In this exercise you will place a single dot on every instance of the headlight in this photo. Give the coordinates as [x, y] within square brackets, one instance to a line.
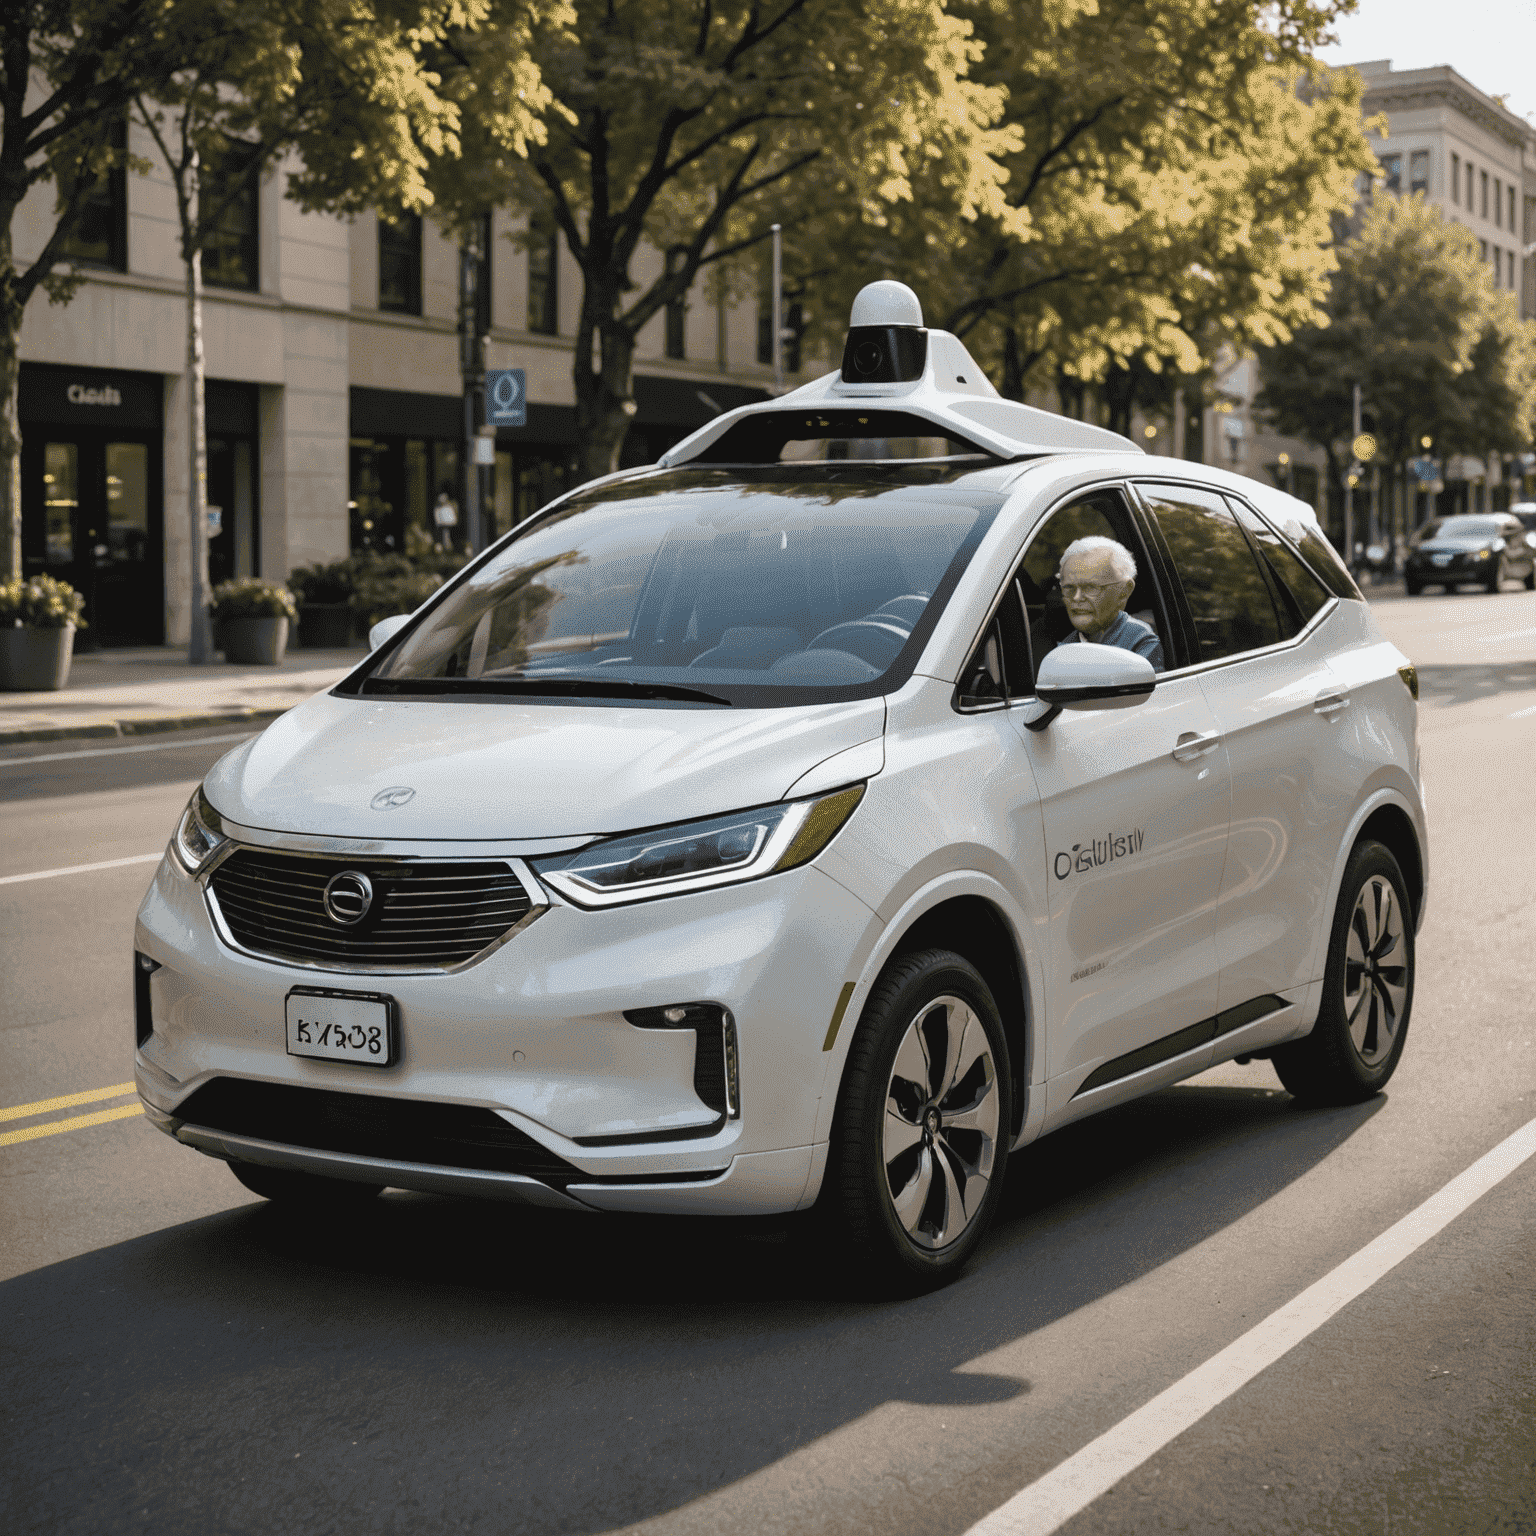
[696, 855]
[199, 834]
[1484, 554]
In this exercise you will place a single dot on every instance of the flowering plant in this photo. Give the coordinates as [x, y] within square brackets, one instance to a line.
[40, 602]
[249, 597]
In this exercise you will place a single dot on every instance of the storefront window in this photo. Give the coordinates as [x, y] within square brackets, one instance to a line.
[61, 495]
[127, 504]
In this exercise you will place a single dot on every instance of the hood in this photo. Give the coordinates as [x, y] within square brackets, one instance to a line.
[1460, 545]
[512, 769]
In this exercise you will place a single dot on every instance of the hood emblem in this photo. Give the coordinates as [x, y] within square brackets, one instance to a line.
[392, 799]
[348, 897]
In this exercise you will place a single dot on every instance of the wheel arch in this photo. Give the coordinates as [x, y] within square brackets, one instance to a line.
[1390, 825]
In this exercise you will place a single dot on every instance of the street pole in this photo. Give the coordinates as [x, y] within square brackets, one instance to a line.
[472, 365]
[1178, 422]
[1349, 490]
[778, 310]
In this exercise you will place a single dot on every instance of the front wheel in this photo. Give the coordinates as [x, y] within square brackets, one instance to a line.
[286, 1187]
[1414, 588]
[1367, 989]
[1495, 578]
[923, 1124]
[1530, 579]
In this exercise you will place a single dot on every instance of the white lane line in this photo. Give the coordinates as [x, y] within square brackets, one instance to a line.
[149, 746]
[1509, 634]
[82, 869]
[1520, 714]
[1071, 1486]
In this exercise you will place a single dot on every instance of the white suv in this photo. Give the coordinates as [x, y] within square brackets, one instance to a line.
[742, 834]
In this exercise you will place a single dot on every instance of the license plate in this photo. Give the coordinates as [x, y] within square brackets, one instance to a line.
[342, 1026]
[1442, 559]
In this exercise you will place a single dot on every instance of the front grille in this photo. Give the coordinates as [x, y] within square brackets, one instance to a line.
[401, 1130]
[423, 915]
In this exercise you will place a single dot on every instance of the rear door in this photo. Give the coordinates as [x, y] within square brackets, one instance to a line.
[1260, 622]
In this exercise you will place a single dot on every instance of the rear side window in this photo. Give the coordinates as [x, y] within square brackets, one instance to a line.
[1298, 593]
[1229, 599]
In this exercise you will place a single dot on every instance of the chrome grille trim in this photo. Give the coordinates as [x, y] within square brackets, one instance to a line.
[402, 942]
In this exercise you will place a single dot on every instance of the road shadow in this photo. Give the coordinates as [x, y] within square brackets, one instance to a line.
[441, 1364]
[1466, 683]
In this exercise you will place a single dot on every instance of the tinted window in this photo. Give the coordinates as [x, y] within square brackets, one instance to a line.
[1099, 515]
[1461, 527]
[785, 586]
[1297, 592]
[1228, 596]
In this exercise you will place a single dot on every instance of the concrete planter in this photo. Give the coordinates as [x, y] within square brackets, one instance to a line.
[35, 660]
[255, 642]
[325, 626]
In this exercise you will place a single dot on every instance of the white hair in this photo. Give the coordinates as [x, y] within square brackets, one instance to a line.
[1122, 561]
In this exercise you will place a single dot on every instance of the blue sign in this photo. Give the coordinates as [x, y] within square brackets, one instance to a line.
[1424, 470]
[506, 397]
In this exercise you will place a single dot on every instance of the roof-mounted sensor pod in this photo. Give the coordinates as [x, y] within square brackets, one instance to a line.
[890, 357]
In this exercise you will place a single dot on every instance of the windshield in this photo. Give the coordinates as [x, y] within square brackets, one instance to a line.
[775, 585]
[1463, 527]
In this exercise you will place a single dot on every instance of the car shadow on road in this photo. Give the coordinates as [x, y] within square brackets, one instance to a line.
[437, 1363]
[1466, 683]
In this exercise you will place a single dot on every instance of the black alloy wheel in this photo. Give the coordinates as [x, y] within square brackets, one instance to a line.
[923, 1123]
[1362, 1022]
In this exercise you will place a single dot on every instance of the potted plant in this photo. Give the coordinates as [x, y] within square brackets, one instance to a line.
[325, 615]
[38, 620]
[251, 617]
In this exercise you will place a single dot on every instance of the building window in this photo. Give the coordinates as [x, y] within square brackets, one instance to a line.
[677, 310]
[1498, 203]
[543, 277]
[1484, 245]
[1498, 268]
[1392, 172]
[1485, 194]
[1511, 209]
[400, 263]
[1418, 171]
[101, 236]
[227, 188]
[1456, 178]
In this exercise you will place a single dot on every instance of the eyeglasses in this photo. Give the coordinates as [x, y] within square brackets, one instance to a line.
[1087, 588]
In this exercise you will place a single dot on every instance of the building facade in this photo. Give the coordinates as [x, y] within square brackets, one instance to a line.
[334, 398]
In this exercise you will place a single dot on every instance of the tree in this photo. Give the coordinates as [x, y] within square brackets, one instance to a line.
[345, 89]
[1174, 167]
[69, 70]
[690, 128]
[1414, 319]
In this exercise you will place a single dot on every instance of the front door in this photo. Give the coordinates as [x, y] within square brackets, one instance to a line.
[91, 517]
[1135, 804]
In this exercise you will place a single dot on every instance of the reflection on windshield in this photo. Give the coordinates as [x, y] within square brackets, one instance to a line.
[1465, 526]
[757, 589]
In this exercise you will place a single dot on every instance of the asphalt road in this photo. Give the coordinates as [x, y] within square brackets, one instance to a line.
[177, 1357]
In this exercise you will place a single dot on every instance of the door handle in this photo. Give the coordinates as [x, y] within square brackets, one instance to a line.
[1330, 703]
[1193, 744]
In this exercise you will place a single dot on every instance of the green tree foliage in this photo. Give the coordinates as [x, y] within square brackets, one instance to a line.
[1414, 319]
[689, 127]
[1173, 169]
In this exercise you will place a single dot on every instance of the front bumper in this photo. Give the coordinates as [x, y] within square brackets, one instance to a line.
[536, 1086]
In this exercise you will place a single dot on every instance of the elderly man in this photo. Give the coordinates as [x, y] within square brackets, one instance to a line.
[1097, 576]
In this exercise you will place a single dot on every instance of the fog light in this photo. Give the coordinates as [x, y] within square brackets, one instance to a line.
[716, 1069]
[143, 1021]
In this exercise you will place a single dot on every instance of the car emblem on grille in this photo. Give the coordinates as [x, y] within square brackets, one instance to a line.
[348, 897]
[392, 799]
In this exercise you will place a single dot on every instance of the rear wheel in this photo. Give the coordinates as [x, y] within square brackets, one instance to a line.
[1495, 576]
[289, 1188]
[923, 1124]
[1367, 989]
[1414, 588]
[1530, 579]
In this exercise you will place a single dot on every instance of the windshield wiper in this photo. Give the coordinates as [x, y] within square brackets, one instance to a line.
[550, 687]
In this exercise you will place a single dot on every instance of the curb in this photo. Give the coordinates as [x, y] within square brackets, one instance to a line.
[144, 725]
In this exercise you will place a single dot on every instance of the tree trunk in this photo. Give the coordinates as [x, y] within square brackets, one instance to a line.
[200, 636]
[605, 396]
[10, 443]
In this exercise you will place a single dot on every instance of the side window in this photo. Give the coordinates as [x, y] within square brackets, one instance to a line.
[1228, 596]
[1298, 593]
[999, 668]
[1102, 514]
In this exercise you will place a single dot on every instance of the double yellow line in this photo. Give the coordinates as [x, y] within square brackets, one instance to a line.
[69, 1122]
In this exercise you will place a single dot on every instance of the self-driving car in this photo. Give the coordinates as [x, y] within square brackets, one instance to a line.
[889, 776]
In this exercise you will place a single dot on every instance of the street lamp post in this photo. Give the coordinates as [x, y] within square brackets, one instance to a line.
[473, 335]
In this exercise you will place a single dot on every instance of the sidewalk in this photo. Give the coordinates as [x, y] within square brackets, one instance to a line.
[138, 690]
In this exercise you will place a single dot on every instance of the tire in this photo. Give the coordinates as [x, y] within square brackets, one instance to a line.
[1530, 579]
[1362, 1024]
[1495, 578]
[1414, 588]
[923, 1123]
[286, 1187]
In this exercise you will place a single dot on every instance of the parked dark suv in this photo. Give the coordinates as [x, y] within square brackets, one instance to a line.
[1472, 549]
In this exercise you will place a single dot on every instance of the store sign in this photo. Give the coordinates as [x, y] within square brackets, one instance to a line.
[506, 397]
[83, 394]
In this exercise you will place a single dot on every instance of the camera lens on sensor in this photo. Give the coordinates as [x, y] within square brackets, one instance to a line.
[868, 357]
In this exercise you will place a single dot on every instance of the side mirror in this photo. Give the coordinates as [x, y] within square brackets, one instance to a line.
[385, 628]
[1086, 676]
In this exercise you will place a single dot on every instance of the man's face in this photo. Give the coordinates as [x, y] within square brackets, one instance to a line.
[1091, 591]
